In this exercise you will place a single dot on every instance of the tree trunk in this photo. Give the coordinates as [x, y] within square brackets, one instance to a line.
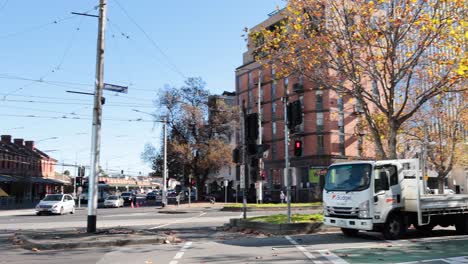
[441, 182]
[392, 139]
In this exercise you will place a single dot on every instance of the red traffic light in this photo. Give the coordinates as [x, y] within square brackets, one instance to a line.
[298, 144]
[297, 148]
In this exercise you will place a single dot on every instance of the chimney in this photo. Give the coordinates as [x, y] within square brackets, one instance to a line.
[29, 144]
[18, 141]
[6, 139]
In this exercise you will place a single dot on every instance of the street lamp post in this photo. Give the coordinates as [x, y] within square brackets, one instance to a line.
[165, 171]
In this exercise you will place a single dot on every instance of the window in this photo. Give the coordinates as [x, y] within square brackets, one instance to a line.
[273, 150]
[342, 144]
[250, 81]
[319, 122]
[273, 128]
[340, 103]
[273, 109]
[320, 144]
[381, 180]
[319, 100]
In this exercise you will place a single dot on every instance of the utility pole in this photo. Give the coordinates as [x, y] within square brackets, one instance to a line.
[164, 191]
[260, 135]
[97, 118]
[286, 152]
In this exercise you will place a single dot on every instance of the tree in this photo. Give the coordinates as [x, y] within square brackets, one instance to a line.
[443, 133]
[392, 56]
[196, 133]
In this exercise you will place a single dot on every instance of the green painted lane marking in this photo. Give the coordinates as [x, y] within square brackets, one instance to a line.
[417, 251]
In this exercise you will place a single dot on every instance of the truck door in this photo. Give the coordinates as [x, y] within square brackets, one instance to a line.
[383, 193]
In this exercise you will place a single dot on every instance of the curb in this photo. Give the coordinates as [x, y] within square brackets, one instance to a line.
[29, 243]
[277, 229]
[252, 209]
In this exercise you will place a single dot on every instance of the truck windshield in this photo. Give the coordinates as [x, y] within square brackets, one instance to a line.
[348, 178]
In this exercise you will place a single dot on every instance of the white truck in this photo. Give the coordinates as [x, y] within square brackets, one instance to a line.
[387, 196]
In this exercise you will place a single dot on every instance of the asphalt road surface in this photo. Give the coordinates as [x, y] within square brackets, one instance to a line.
[201, 242]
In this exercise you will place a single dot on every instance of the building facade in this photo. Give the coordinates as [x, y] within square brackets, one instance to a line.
[329, 131]
[26, 173]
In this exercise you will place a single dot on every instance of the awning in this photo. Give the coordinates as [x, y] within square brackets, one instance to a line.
[48, 181]
[7, 178]
[3, 193]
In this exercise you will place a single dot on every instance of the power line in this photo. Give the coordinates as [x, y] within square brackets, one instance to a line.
[37, 27]
[76, 103]
[77, 118]
[175, 68]
[65, 84]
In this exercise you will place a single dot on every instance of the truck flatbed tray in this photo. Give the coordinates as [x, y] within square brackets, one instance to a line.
[444, 201]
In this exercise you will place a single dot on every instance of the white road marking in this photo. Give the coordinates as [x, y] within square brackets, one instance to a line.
[332, 257]
[178, 221]
[301, 248]
[181, 253]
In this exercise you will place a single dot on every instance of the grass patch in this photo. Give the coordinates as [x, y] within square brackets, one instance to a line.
[282, 218]
[266, 205]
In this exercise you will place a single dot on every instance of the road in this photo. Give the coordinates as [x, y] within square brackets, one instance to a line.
[203, 243]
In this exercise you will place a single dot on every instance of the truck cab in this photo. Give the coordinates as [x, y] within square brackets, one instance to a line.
[387, 196]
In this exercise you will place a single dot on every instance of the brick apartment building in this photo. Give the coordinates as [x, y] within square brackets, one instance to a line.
[26, 173]
[329, 131]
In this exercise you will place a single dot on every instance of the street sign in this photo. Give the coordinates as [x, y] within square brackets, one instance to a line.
[226, 183]
[115, 88]
[242, 176]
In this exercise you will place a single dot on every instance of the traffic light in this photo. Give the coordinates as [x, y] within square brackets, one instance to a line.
[236, 155]
[298, 148]
[294, 114]
[254, 169]
[251, 127]
[78, 181]
[252, 149]
[81, 171]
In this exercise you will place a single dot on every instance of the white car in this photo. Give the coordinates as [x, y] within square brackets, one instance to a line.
[114, 201]
[56, 204]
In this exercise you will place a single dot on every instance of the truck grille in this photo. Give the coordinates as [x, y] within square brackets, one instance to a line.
[343, 212]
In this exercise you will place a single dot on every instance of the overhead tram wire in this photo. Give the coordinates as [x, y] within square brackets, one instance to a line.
[77, 118]
[162, 66]
[64, 84]
[36, 28]
[174, 67]
[77, 103]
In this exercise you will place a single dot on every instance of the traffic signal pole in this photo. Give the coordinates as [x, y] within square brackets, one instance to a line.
[286, 152]
[243, 159]
[260, 137]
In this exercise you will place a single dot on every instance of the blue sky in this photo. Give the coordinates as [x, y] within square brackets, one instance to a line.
[40, 41]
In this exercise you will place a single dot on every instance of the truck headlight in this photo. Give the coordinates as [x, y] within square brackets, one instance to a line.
[325, 210]
[364, 210]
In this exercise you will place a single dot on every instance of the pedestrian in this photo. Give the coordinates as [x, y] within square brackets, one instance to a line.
[282, 196]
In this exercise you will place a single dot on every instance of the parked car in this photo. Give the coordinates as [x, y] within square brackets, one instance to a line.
[128, 197]
[56, 204]
[114, 201]
[152, 196]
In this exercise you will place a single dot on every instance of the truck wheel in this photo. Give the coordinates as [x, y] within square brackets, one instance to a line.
[462, 225]
[349, 232]
[394, 227]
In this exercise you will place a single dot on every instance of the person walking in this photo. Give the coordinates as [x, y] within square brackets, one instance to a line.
[282, 196]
